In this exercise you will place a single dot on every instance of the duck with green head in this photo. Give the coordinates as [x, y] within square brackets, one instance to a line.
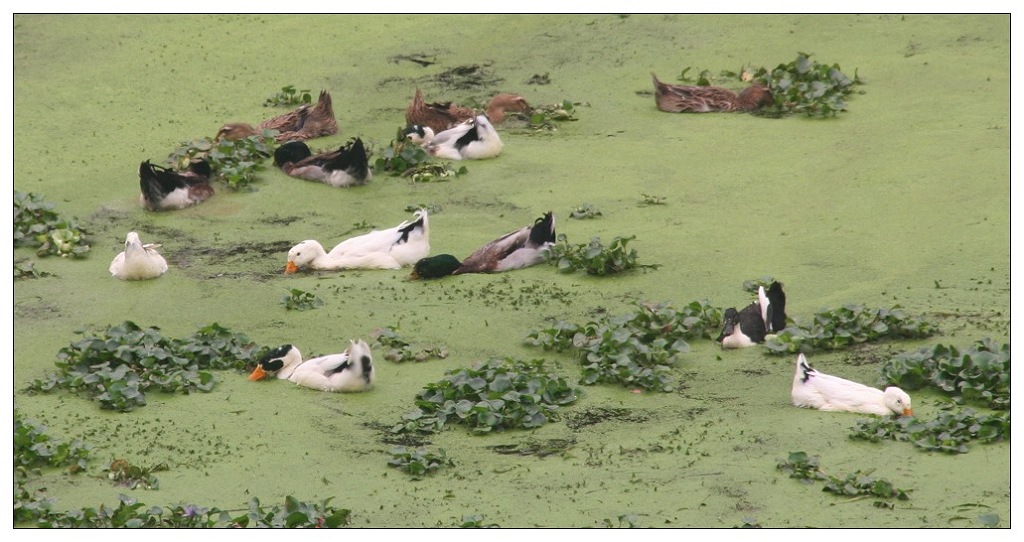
[515, 250]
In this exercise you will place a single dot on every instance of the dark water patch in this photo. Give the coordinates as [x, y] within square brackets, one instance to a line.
[594, 416]
[386, 436]
[535, 448]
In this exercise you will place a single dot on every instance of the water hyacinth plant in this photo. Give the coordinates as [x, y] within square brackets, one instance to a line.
[494, 395]
[806, 469]
[288, 97]
[949, 432]
[979, 373]
[37, 225]
[595, 258]
[635, 350]
[234, 162]
[118, 367]
[845, 326]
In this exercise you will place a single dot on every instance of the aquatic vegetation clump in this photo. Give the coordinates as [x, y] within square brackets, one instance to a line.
[547, 117]
[594, 258]
[807, 87]
[495, 395]
[949, 432]
[27, 270]
[289, 96]
[418, 462]
[845, 326]
[119, 366]
[34, 449]
[130, 513]
[585, 210]
[404, 158]
[979, 373]
[396, 349]
[806, 469]
[300, 300]
[235, 162]
[37, 225]
[123, 473]
[636, 349]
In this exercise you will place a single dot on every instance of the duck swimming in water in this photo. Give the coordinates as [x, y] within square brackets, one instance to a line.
[301, 124]
[514, 250]
[138, 261]
[757, 320]
[443, 116]
[812, 389]
[396, 247]
[701, 99]
[164, 189]
[474, 140]
[346, 166]
[349, 371]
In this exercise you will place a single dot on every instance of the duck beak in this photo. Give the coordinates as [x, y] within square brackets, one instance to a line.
[290, 268]
[414, 275]
[908, 412]
[257, 374]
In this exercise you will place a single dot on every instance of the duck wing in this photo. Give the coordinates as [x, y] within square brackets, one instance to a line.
[514, 250]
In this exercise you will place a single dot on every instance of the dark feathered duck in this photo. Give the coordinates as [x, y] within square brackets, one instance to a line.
[346, 166]
[514, 250]
[757, 320]
[164, 189]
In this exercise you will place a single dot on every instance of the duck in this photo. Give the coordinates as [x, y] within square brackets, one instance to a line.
[393, 248]
[514, 250]
[164, 189]
[347, 166]
[813, 389]
[756, 321]
[443, 116]
[138, 261]
[700, 99]
[306, 122]
[474, 140]
[349, 371]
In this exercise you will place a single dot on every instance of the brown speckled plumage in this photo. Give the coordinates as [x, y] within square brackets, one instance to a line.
[440, 116]
[303, 123]
[697, 99]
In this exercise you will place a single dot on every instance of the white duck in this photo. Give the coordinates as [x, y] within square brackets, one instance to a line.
[403, 245]
[138, 261]
[473, 140]
[812, 389]
[349, 371]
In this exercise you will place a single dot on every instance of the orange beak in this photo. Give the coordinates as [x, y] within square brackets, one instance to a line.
[257, 374]
[290, 268]
[907, 412]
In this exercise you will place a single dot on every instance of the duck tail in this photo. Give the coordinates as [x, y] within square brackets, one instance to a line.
[775, 317]
[804, 371]
[153, 184]
[543, 231]
[420, 223]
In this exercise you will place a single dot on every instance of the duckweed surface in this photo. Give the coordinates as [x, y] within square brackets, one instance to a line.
[903, 199]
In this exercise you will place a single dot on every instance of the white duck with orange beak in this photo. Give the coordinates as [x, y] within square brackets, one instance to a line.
[349, 371]
[812, 389]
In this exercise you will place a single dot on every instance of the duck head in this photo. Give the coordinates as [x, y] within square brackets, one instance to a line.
[730, 319]
[235, 130]
[755, 97]
[301, 255]
[418, 134]
[897, 401]
[503, 102]
[280, 361]
[362, 360]
[435, 267]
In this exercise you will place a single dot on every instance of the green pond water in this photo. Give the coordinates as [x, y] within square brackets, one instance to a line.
[904, 199]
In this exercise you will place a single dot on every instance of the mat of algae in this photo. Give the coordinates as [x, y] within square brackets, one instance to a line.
[904, 199]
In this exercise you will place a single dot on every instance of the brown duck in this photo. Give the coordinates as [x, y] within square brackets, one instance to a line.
[696, 99]
[440, 116]
[299, 125]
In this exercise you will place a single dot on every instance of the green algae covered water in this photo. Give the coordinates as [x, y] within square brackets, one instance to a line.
[902, 200]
